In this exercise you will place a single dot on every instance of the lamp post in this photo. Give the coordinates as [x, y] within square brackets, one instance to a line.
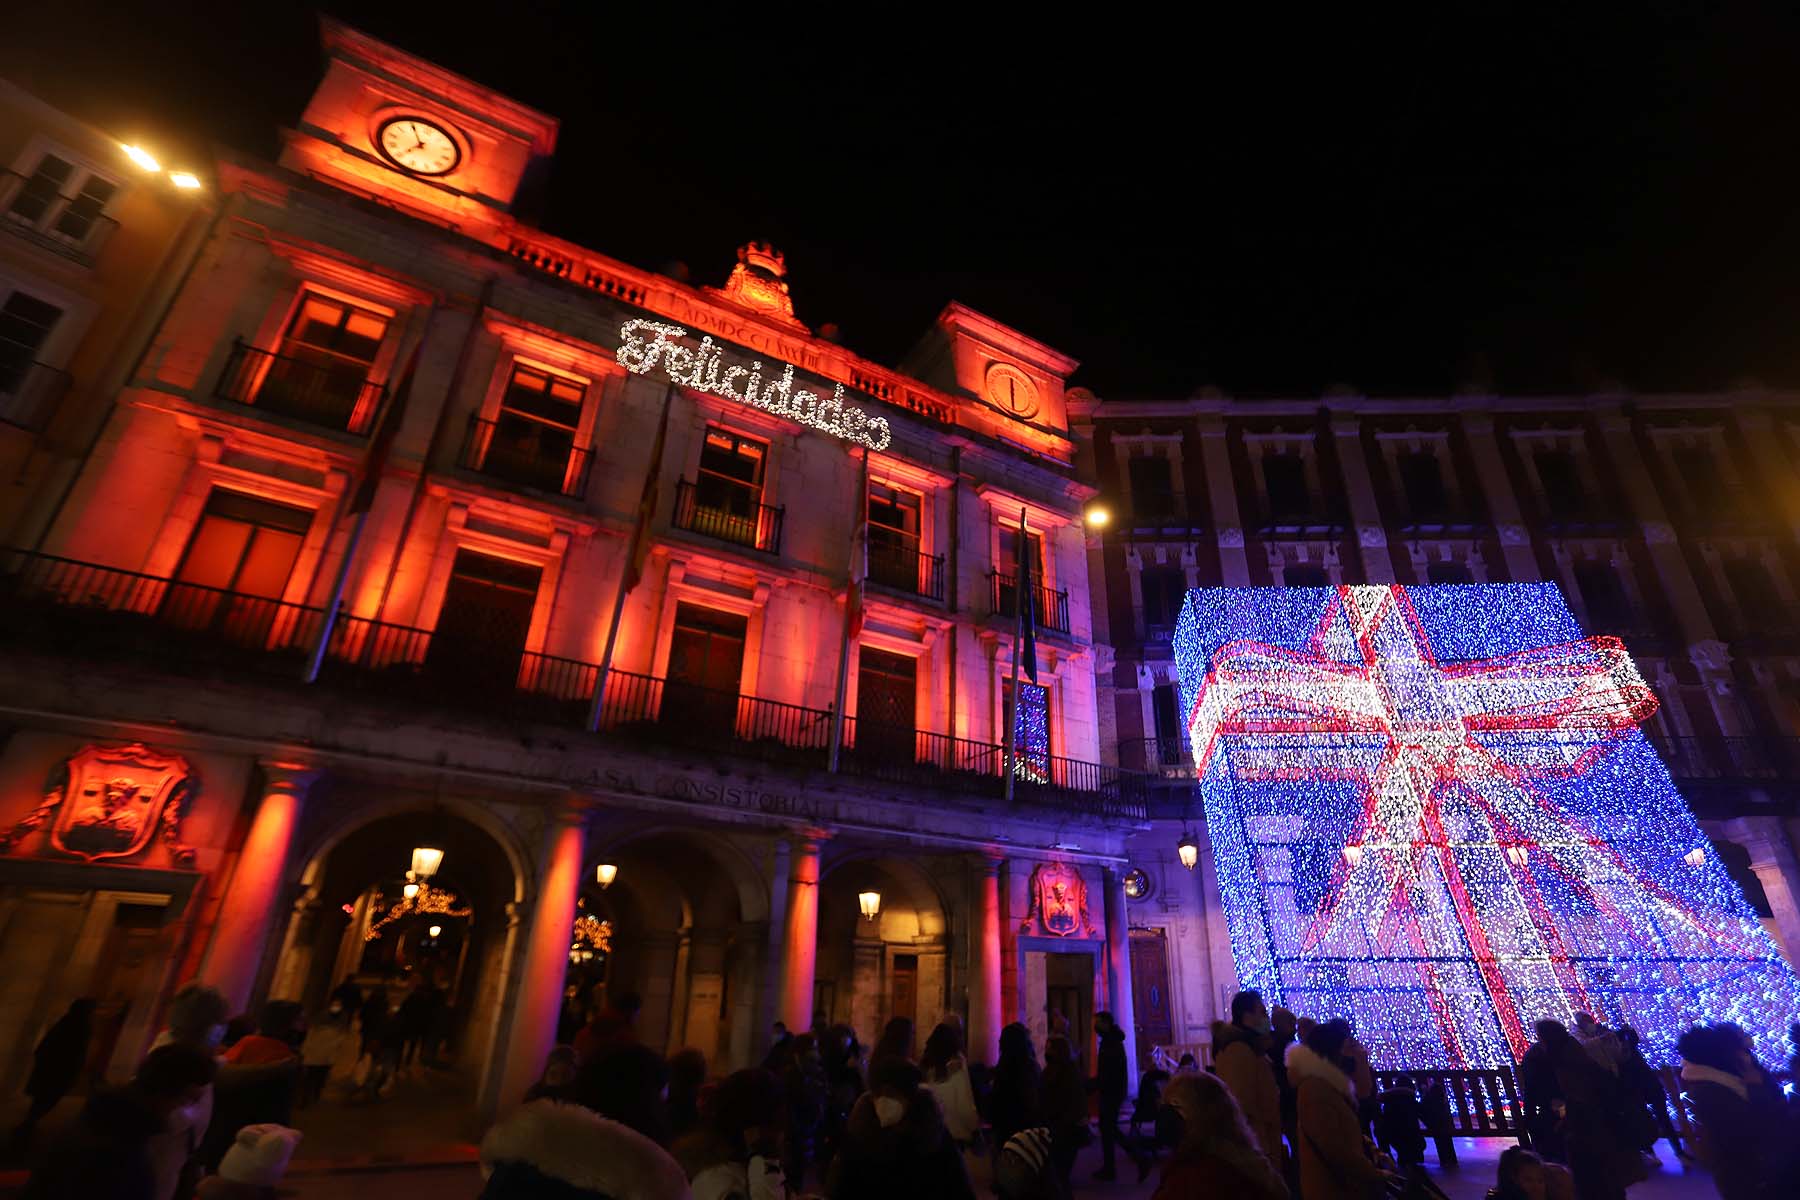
[1187, 849]
[426, 860]
[870, 903]
[604, 874]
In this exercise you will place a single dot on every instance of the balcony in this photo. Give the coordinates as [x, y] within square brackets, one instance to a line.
[1050, 609]
[80, 610]
[1168, 756]
[29, 401]
[904, 568]
[58, 230]
[756, 527]
[536, 464]
[338, 396]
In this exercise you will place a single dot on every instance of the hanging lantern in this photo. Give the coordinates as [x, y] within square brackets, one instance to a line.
[426, 860]
[604, 874]
[411, 892]
[1517, 855]
[435, 930]
[1188, 850]
[1695, 858]
[870, 902]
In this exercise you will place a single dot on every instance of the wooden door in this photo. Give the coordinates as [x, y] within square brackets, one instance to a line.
[903, 996]
[484, 622]
[1150, 990]
[706, 669]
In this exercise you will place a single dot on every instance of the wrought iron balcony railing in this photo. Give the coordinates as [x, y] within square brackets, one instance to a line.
[756, 526]
[1050, 608]
[332, 396]
[75, 236]
[63, 606]
[497, 451]
[29, 401]
[1168, 755]
[906, 569]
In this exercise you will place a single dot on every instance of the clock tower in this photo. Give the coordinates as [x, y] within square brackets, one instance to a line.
[406, 132]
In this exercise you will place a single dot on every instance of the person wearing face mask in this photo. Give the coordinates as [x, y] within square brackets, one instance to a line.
[1241, 1061]
[1216, 1153]
[896, 1146]
[1335, 1159]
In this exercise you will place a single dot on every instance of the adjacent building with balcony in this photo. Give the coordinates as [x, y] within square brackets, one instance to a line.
[91, 244]
[241, 686]
[1669, 521]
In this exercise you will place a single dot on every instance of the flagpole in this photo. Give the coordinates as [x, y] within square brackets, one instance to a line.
[639, 530]
[317, 662]
[851, 600]
[1012, 717]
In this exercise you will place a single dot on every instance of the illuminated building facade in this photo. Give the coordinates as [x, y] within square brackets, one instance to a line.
[241, 687]
[1666, 521]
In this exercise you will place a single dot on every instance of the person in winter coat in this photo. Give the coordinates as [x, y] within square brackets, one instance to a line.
[1600, 1154]
[1064, 1105]
[1216, 1154]
[1112, 1082]
[896, 1147]
[253, 1167]
[197, 1016]
[736, 1152]
[1335, 1162]
[947, 1078]
[327, 1040]
[1742, 1129]
[1522, 1175]
[1013, 1101]
[259, 1080]
[106, 1154]
[1023, 1169]
[687, 1075]
[808, 1096]
[1240, 1059]
[625, 1083]
[56, 1064]
[896, 1040]
[551, 1151]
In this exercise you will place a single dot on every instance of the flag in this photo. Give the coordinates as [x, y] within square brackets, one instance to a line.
[646, 512]
[1026, 601]
[859, 564]
[375, 460]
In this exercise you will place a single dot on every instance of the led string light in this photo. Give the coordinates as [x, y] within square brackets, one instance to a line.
[427, 901]
[698, 368]
[1031, 735]
[1433, 813]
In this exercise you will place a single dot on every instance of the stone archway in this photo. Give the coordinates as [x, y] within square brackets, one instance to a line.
[897, 964]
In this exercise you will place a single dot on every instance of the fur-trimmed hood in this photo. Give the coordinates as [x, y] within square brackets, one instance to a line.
[1304, 1064]
[1226, 1034]
[580, 1148]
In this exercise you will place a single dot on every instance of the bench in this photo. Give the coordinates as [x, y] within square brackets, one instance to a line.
[1473, 1104]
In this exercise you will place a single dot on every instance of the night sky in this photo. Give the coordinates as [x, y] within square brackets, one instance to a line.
[1543, 202]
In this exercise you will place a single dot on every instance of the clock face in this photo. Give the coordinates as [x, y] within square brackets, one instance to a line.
[419, 146]
[1012, 390]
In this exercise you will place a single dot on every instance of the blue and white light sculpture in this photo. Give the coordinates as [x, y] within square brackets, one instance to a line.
[1433, 813]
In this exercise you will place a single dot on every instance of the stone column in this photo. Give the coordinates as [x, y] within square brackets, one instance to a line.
[234, 956]
[1118, 968]
[1365, 513]
[1772, 858]
[985, 1015]
[1221, 495]
[769, 993]
[1502, 501]
[538, 1000]
[801, 944]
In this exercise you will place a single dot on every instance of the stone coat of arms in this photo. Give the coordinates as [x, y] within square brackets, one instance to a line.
[110, 802]
[1060, 896]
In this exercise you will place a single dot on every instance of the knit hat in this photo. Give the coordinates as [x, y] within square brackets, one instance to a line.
[1031, 1145]
[260, 1155]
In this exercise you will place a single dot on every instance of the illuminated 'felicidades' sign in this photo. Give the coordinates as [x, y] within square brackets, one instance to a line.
[699, 368]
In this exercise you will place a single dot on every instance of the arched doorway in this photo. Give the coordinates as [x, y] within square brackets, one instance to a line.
[687, 920]
[893, 964]
[432, 950]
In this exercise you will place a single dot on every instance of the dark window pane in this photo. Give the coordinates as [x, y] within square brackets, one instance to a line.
[1422, 476]
[731, 469]
[1448, 572]
[1152, 486]
[77, 220]
[1165, 706]
[1285, 476]
[25, 324]
[1706, 486]
[1165, 588]
[1305, 575]
[1564, 493]
[39, 194]
[1603, 594]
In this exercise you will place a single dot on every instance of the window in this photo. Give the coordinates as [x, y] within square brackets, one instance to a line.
[1603, 595]
[62, 200]
[1305, 575]
[1759, 604]
[1707, 489]
[25, 325]
[1165, 589]
[1152, 486]
[1165, 709]
[895, 519]
[237, 564]
[887, 687]
[324, 362]
[725, 500]
[1050, 609]
[1422, 478]
[1560, 477]
[1032, 748]
[706, 668]
[1284, 475]
[1448, 572]
[533, 436]
[485, 620]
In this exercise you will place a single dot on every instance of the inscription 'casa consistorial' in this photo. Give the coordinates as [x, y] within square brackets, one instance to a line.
[644, 344]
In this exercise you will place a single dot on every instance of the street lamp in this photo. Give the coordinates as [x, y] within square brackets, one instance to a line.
[435, 930]
[410, 892]
[1097, 516]
[870, 903]
[426, 860]
[604, 874]
[1695, 858]
[1187, 849]
[187, 181]
[141, 157]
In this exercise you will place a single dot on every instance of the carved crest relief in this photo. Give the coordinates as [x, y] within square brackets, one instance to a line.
[1059, 896]
[110, 801]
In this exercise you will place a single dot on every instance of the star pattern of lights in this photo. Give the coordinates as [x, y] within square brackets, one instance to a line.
[1434, 813]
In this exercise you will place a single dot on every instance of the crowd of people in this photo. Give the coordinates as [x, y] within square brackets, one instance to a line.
[209, 1112]
[1290, 1110]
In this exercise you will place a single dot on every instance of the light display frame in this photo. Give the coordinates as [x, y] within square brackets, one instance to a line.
[1433, 812]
